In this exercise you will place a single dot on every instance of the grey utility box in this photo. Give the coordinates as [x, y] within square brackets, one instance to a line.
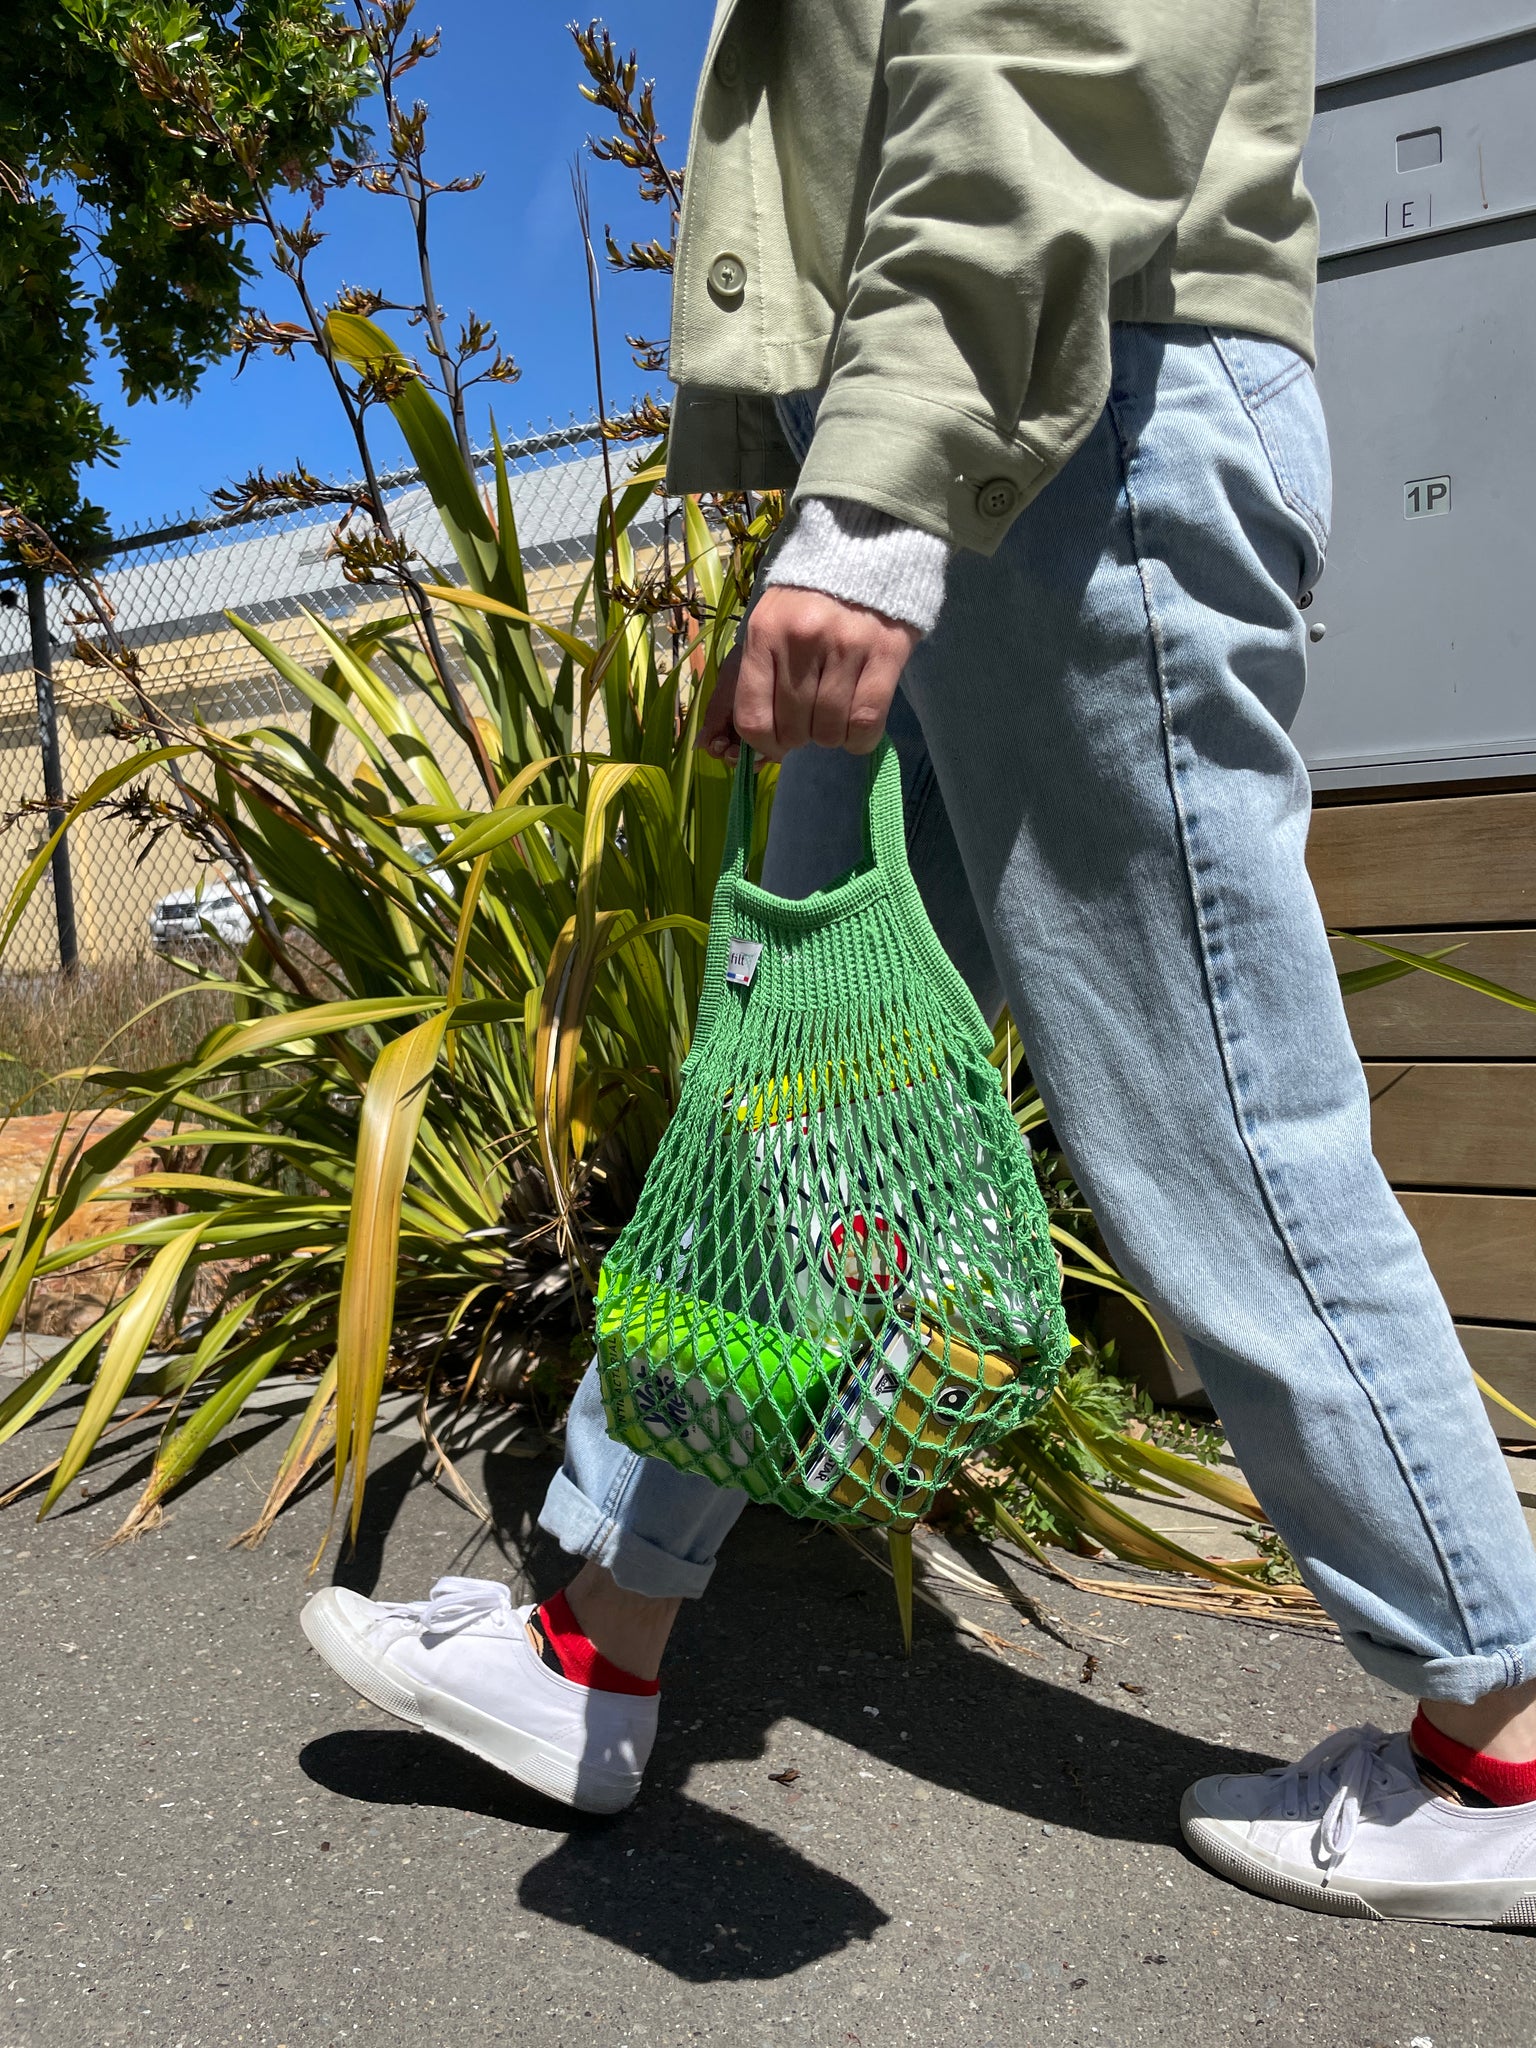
[1423, 164]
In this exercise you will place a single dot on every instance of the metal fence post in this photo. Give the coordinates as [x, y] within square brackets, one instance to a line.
[53, 773]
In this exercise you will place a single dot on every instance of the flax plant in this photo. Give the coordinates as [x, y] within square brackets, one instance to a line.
[456, 1033]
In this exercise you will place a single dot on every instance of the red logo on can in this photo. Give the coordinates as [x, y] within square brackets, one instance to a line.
[866, 1255]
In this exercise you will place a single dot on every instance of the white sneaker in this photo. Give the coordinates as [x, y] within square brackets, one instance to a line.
[1352, 1829]
[461, 1665]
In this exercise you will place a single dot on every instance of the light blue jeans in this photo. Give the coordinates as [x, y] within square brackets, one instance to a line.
[1107, 821]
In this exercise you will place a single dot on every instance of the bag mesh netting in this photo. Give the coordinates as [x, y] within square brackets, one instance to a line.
[839, 1277]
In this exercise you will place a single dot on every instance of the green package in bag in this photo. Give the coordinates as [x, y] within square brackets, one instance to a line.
[839, 1278]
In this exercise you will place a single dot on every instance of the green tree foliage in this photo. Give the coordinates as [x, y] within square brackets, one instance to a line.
[120, 223]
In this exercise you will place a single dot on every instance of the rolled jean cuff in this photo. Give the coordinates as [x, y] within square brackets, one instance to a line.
[1462, 1679]
[638, 1565]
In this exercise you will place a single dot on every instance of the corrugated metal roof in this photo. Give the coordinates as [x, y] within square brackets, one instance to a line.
[555, 507]
[175, 589]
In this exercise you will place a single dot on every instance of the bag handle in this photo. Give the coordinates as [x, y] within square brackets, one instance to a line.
[885, 833]
[885, 841]
[740, 816]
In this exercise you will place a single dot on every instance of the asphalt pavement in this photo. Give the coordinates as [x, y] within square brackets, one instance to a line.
[207, 1840]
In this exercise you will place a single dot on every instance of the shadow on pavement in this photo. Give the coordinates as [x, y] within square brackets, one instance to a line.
[359, 1565]
[124, 1463]
[703, 1894]
[706, 1895]
[795, 1629]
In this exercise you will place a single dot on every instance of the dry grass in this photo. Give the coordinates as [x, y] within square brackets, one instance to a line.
[50, 1023]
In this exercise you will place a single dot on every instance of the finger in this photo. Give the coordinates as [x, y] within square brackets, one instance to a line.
[870, 705]
[752, 712]
[835, 693]
[799, 653]
[717, 731]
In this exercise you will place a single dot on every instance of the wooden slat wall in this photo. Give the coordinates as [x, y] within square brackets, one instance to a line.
[1422, 1017]
[1483, 1251]
[1454, 1123]
[1506, 1358]
[1455, 860]
[1452, 1073]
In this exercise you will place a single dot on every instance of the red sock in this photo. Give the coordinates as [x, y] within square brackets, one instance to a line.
[1497, 1782]
[575, 1656]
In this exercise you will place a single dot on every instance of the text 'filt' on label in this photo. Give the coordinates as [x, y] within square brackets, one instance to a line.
[741, 962]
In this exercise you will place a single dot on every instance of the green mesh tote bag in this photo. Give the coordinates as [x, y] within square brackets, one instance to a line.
[839, 1278]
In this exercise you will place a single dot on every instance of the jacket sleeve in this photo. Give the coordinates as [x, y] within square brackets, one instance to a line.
[1034, 152]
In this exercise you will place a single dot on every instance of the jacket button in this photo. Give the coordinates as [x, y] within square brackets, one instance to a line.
[727, 276]
[997, 499]
[728, 66]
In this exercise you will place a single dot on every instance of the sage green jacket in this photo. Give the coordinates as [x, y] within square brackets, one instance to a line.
[936, 208]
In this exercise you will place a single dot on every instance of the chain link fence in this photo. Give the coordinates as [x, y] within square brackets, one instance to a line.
[171, 588]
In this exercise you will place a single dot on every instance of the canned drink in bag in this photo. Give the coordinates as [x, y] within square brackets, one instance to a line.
[785, 1175]
[899, 1410]
[976, 1297]
[827, 1260]
[868, 1254]
[868, 1390]
[690, 1244]
[884, 1491]
[848, 1270]
[883, 1476]
[698, 1376]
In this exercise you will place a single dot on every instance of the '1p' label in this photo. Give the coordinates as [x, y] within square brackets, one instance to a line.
[1426, 497]
[741, 962]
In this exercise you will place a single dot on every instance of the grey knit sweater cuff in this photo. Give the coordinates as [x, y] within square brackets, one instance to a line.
[863, 556]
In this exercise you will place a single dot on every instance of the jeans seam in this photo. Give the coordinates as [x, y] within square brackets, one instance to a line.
[1267, 1193]
[1253, 404]
[1259, 395]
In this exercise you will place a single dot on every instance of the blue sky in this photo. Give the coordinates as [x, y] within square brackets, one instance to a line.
[504, 100]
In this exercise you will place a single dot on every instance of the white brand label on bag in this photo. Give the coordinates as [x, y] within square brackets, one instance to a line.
[741, 964]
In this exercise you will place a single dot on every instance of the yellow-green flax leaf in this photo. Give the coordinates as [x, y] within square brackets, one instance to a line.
[309, 1443]
[566, 994]
[23, 1402]
[899, 1545]
[581, 652]
[494, 828]
[1502, 1401]
[1357, 980]
[296, 1028]
[703, 553]
[125, 1352]
[325, 702]
[393, 1105]
[1136, 1460]
[387, 711]
[1113, 1526]
[28, 1242]
[1432, 963]
[430, 439]
[675, 921]
[181, 1451]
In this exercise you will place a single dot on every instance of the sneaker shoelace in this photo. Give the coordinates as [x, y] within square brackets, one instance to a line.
[1335, 1781]
[453, 1604]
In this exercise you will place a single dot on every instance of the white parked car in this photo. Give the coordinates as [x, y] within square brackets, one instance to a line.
[218, 915]
[193, 920]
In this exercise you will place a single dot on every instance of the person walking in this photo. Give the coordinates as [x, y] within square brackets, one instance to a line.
[1015, 297]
